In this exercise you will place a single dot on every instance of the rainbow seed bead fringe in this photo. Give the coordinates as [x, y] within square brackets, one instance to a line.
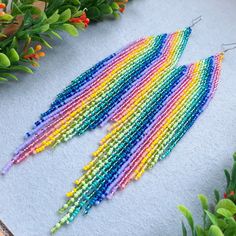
[89, 101]
[147, 127]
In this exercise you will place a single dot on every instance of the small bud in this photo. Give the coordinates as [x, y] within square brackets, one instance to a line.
[13, 55]
[4, 60]
[83, 16]
[2, 5]
[41, 54]
[5, 17]
[38, 47]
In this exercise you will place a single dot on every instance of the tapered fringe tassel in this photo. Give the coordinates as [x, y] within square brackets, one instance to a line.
[144, 133]
[90, 100]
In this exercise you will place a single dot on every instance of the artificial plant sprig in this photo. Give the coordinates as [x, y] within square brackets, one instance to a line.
[29, 24]
[97, 9]
[221, 220]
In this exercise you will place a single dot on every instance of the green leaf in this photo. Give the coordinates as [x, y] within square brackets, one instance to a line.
[215, 231]
[30, 50]
[44, 28]
[187, 215]
[184, 230]
[25, 7]
[76, 2]
[54, 5]
[35, 10]
[16, 10]
[79, 26]
[234, 156]
[93, 13]
[227, 175]
[231, 226]
[53, 18]
[9, 75]
[230, 232]
[233, 174]
[41, 19]
[226, 204]
[27, 19]
[40, 29]
[27, 1]
[4, 60]
[6, 17]
[231, 221]
[204, 201]
[70, 29]
[212, 217]
[116, 15]
[217, 196]
[99, 2]
[221, 223]
[78, 13]
[45, 43]
[3, 79]
[56, 34]
[199, 231]
[41, 40]
[115, 6]
[22, 68]
[105, 9]
[13, 55]
[65, 15]
[14, 43]
[224, 212]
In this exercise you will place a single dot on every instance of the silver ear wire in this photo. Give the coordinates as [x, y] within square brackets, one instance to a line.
[224, 45]
[195, 21]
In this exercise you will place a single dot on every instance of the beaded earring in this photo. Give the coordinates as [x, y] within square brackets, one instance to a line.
[89, 101]
[144, 132]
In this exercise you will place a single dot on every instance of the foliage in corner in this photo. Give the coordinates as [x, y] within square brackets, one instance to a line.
[27, 26]
[222, 219]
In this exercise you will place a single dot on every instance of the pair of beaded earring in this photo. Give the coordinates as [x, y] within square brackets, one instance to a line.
[151, 101]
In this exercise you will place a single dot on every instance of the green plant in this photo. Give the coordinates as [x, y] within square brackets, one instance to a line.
[100, 8]
[222, 219]
[29, 25]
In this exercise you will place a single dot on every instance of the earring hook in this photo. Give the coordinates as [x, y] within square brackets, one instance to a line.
[195, 21]
[224, 50]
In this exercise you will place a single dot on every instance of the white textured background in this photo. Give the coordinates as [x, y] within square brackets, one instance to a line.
[32, 192]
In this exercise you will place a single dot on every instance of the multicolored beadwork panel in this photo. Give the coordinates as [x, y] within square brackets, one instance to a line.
[90, 100]
[147, 127]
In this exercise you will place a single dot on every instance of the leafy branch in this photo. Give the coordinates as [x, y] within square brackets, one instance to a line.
[222, 219]
[26, 28]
